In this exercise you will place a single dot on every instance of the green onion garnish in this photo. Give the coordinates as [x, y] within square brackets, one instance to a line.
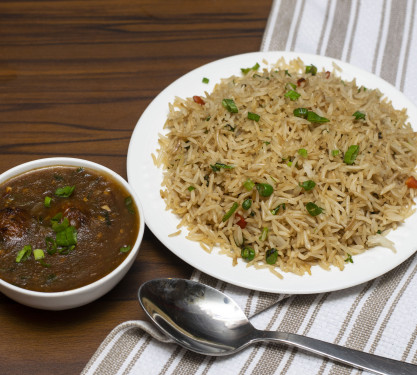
[359, 115]
[125, 249]
[217, 166]
[311, 69]
[65, 191]
[247, 70]
[307, 185]
[191, 188]
[230, 212]
[47, 201]
[205, 80]
[292, 95]
[24, 254]
[271, 256]
[276, 209]
[265, 190]
[248, 184]
[230, 105]
[351, 154]
[247, 253]
[253, 116]
[314, 117]
[302, 152]
[300, 112]
[38, 254]
[335, 152]
[264, 234]
[313, 209]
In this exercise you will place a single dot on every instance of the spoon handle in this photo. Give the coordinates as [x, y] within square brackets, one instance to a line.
[356, 358]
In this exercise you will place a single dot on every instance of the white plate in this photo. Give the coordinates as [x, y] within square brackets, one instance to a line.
[146, 180]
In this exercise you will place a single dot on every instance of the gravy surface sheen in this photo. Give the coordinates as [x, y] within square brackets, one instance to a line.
[38, 211]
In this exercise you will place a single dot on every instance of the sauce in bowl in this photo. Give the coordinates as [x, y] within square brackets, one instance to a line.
[63, 227]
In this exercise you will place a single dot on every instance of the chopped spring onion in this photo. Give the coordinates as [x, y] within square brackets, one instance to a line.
[47, 201]
[191, 188]
[313, 209]
[265, 190]
[38, 254]
[247, 70]
[276, 209]
[230, 212]
[247, 253]
[314, 117]
[271, 256]
[230, 105]
[292, 95]
[125, 249]
[264, 234]
[311, 69]
[24, 254]
[248, 184]
[359, 115]
[301, 112]
[335, 152]
[247, 203]
[307, 185]
[217, 166]
[253, 116]
[351, 154]
[302, 152]
[65, 191]
[205, 80]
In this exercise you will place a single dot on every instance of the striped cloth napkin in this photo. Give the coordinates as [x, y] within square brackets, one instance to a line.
[379, 316]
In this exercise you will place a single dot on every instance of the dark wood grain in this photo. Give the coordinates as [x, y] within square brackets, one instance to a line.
[75, 77]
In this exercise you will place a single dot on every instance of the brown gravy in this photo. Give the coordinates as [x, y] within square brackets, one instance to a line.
[84, 232]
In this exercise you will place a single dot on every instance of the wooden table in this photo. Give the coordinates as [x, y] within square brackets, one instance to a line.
[75, 76]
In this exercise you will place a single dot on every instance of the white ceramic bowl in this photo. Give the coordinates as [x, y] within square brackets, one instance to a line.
[80, 296]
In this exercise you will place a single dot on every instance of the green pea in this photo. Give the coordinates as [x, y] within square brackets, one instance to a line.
[247, 203]
[247, 253]
[265, 190]
[271, 256]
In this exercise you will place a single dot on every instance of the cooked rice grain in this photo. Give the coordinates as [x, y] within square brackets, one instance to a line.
[359, 200]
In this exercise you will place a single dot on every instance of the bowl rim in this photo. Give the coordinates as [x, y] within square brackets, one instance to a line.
[77, 162]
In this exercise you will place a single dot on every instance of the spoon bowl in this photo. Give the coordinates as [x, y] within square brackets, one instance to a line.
[206, 321]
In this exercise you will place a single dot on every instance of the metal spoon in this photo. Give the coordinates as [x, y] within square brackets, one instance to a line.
[206, 321]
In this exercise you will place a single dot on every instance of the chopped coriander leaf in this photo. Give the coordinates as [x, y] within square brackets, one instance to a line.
[267, 143]
[230, 127]
[253, 116]
[303, 152]
[191, 188]
[65, 191]
[205, 80]
[307, 185]
[349, 259]
[57, 217]
[230, 212]
[335, 152]
[351, 154]
[379, 231]
[67, 237]
[247, 70]
[129, 205]
[289, 163]
[359, 115]
[286, 73]
[125, 249]
[292, 95]
[38, 254]
[311, 69]
[80, 169]
[24, 254]
[60, 226]
[247, 253]
[248, 184]
[276, 209]
[313, 209]
[216, 167]
[271, 256]
[265, 190]
[314, 117]
[47, 201]
[292, 85]
[301, 112]
[264, 234]
[230, 105]
[51, 246]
